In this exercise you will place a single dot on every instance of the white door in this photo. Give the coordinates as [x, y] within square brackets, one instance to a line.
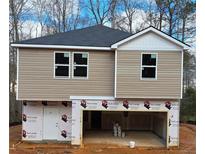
[50, 123]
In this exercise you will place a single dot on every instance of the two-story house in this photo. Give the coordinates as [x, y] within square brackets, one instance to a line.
[85, 80]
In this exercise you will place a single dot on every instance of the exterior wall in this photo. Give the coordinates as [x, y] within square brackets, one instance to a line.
[33, 121]
[36, 79]
[130, 85]
[160, 125]
[34, 113]
[171, 109]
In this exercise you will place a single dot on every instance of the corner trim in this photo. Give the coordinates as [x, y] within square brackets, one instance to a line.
[182, 72]
[17, 76]
[115, 84]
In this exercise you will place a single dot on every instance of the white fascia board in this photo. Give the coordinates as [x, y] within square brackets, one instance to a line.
[92, 97]
[185, 47]
[59, 47]
[148, 97]
[42, 99]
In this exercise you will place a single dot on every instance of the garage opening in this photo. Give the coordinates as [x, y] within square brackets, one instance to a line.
[146, 129]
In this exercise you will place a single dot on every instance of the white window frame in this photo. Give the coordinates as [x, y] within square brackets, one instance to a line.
[74, 65]
[151, 66]
[54, 65]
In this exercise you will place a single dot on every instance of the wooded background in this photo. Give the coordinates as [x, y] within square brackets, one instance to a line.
[35, 18]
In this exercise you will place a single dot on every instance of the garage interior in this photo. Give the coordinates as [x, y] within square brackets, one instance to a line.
[146, 129]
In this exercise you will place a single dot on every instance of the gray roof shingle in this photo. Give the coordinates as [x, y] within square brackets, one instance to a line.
[94, 36]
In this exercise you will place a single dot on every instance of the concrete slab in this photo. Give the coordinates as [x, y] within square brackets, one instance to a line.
[141, 138]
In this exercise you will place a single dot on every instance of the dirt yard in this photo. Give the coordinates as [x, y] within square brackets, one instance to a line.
[187, 145]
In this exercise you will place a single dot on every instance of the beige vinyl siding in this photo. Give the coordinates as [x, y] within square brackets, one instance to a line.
[130, 85]
[36, 76]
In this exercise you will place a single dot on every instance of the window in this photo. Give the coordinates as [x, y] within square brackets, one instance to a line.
[80, 65]
[62, 64]
[149, 66]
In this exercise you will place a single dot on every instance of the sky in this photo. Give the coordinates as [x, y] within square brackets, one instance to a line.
[30, 23]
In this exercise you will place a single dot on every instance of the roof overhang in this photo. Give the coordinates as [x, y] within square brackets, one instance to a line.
[151, 29]
[60, 47]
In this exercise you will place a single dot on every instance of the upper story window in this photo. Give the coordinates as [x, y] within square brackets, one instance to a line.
[62, 64]
[80, 65]
[149, 66]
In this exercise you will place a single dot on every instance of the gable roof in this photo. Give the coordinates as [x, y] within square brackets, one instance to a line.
[97, 37]
[156, 31]
[94, 36]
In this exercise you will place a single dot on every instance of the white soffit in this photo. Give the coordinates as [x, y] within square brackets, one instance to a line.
[151, 29]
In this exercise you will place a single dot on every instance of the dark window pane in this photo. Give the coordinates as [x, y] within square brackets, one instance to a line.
[62, 58]
[80, 59]
[148, 72]
[149, 59]
[62, 71]
[80, 71]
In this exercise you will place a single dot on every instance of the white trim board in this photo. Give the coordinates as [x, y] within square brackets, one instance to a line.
[134, 97]
[60, 47]
[115, 80]
[43, 99]
[17, 76]
[116, 45]
[92, 97]
[182, 72]
[113, 98]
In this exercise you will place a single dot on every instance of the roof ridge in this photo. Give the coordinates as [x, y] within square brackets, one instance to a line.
[113, 28]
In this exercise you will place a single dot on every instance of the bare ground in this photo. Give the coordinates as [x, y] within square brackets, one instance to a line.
[187, 145]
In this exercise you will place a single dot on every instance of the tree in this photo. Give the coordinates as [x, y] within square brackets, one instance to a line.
[189, 70]
[187, 8]
[39, 8]
[172, 8]
[16, 8]
[59, 13]
[161, 9]
[188, 106]
[112, 13]
[100, 10]
[130, 8]
[151, 14]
